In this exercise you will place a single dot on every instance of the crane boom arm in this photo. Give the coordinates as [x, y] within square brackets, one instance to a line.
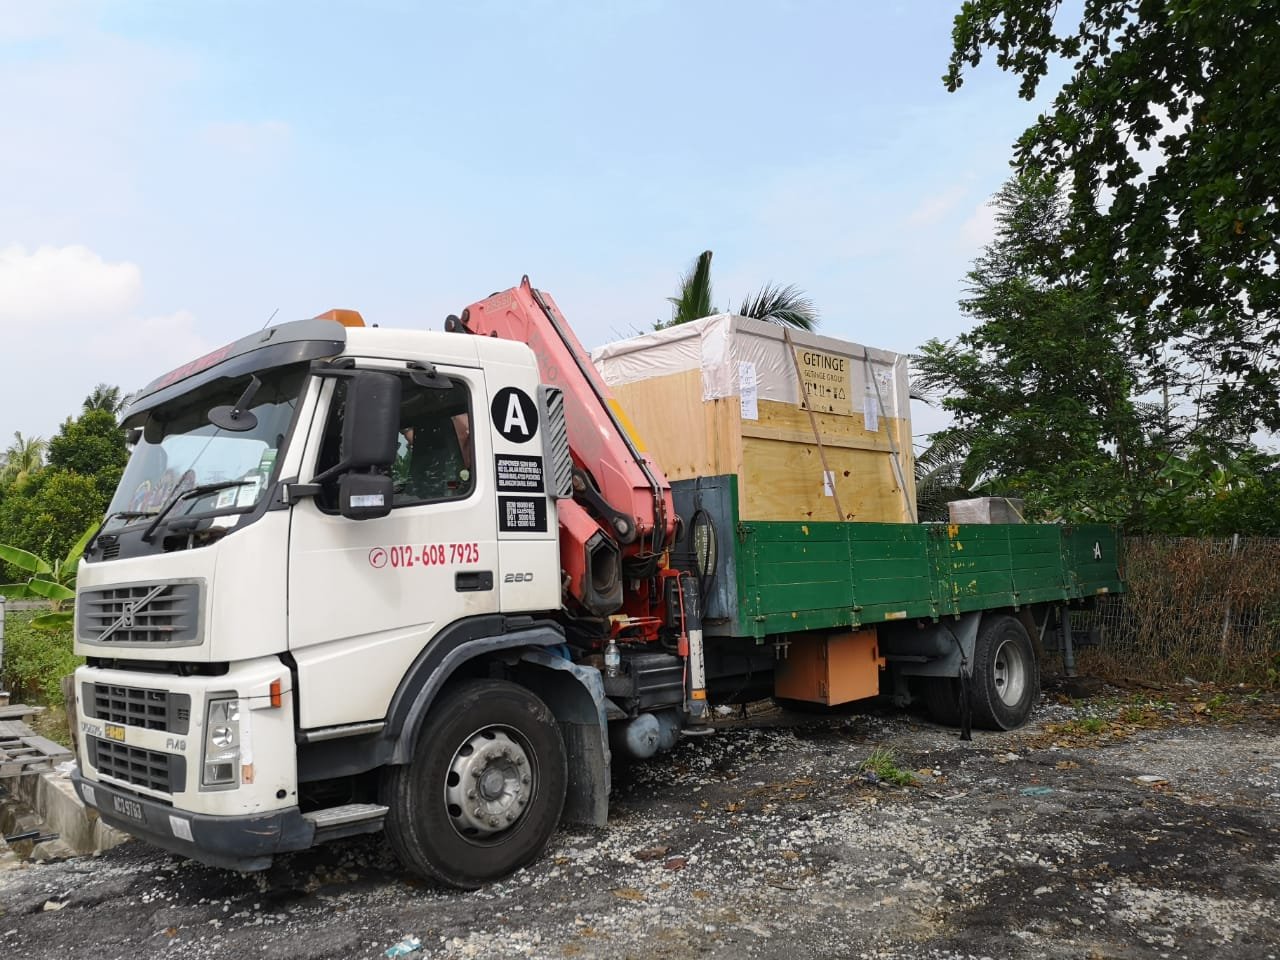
[620, 495]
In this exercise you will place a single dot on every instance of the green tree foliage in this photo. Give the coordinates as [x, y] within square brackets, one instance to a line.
[50, 517]
[1201, 495]
[91, 445]
[35, 659]
[48, 514]
[19, 464]
[1051, 404]
[1039, 390]
[106, 397]
[693, 301]
[1165, 133]
[787, 305]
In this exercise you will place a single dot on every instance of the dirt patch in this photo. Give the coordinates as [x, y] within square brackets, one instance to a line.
[774, 839]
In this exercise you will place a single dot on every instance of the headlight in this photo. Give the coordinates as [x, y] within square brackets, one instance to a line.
[221, 743]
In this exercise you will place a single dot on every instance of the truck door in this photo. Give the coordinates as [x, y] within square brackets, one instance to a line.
[366, 596]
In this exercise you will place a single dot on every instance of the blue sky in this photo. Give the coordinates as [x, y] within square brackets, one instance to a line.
[174, 172]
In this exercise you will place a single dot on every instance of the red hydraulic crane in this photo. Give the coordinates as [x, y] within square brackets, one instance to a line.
[616, 532]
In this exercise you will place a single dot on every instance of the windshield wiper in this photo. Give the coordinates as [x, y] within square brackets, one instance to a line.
[201, 491]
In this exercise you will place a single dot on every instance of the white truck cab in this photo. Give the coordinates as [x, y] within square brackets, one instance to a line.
[312, 521]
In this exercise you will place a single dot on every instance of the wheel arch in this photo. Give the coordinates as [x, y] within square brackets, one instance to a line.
[455, 652]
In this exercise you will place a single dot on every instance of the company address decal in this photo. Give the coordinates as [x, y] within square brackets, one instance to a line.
[405, 555]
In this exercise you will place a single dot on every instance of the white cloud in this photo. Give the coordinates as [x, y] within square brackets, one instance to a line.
[60, 285]
[70, 319]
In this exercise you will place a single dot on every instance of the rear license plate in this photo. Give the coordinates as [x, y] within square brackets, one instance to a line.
[114, 732]
[128, 808]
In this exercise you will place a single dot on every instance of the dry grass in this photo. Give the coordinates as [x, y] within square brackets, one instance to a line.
[1202, 608]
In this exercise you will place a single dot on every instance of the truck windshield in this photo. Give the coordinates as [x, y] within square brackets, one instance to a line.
[180, 449]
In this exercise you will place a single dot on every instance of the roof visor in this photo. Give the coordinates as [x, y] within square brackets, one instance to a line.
[296, 342]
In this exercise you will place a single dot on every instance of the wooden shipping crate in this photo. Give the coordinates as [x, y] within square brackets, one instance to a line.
[721, 395]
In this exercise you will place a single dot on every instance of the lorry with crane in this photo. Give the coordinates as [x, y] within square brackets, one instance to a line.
[360, 579]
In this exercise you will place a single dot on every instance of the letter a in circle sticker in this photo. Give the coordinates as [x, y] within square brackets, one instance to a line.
[515, 415]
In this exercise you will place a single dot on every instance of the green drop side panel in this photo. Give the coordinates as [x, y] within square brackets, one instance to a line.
[815, 576]
[1094, 557]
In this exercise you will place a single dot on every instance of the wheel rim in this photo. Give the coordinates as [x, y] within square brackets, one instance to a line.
[491, 781]
[1009, 672]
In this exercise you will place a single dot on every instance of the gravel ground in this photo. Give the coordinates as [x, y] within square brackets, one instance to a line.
[1111, 829]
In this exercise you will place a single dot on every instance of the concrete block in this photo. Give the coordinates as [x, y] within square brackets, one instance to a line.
[64, 813]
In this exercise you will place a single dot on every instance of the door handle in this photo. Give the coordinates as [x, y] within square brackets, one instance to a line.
[473, 580]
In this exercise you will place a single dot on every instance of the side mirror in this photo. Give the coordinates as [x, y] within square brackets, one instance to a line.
[365, 496]
[371, 424]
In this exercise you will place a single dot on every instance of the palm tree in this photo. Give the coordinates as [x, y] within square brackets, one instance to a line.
[787, 306]
[106, 397]
[22, 460]
[693, 302]
[941, 474]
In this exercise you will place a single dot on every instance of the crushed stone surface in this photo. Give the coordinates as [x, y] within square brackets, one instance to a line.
[767, 840]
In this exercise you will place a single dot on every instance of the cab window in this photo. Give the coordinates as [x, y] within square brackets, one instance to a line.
[436, 458]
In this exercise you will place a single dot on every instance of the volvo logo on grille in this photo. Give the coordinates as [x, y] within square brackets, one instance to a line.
[131, 608]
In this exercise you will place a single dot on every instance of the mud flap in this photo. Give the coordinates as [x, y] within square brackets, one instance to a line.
[576, 696]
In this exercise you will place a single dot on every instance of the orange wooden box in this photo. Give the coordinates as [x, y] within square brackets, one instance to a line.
[834, 669]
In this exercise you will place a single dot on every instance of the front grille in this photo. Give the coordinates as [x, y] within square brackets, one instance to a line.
[162, 772]
[137, 707]
[140, 613]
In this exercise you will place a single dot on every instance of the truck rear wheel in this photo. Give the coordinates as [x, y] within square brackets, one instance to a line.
[1006, 676]
[485, 789]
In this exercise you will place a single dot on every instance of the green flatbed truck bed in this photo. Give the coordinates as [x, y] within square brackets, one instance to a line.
[774, 577]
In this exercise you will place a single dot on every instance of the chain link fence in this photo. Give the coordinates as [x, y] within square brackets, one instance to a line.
[1207, 608]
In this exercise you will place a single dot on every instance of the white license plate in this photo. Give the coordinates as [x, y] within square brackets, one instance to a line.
[128, 808]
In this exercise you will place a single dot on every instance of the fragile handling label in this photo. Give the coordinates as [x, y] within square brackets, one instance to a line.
[522, 515]
[517, 473]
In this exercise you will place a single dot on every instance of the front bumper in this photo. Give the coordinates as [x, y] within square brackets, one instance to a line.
[236, 843]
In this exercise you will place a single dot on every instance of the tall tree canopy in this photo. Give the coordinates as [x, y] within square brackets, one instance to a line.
[1052, 405]
[1040, 392]
[1167, 135]
[91, 445]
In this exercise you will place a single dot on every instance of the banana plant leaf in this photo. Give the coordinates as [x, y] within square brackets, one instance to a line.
[50, 621]
[68, 567]
[14, 591]
[23, 560]
[50, 590]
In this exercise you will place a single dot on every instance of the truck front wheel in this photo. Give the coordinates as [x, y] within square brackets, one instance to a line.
[1006, 677]
[484, 791]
